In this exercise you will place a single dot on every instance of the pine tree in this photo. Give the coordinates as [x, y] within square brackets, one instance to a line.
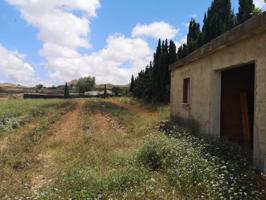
[246, 7]
[105, 91]
[156, 72]
[218, 19]
[66, 91]
[131, 88]
[182, 51]
[194, 36]
[153, 83]
[171, 58]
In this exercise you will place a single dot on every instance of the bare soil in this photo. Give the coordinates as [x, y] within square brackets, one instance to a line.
[61, 133]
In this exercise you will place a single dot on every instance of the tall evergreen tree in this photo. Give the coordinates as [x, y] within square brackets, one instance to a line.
[194, 36]
[66, 91]
[156, 72]
[153, 83]
[246, 7]
[132, 85]
[105, 91]
[218, 19]
[182, 51]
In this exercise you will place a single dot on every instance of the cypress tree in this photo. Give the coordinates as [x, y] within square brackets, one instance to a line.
[105, 91]
[246, 7]
[131, 89]
[218, 19]
[66, 91]
[182, 51]
[153, 83]
[156, 72]
[194, 36]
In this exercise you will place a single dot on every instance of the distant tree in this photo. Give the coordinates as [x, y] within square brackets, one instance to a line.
[132, 85]
[85, 84]
[66, 91]
[105, 91]
[245, 10]
[39, 87]
[117, 90]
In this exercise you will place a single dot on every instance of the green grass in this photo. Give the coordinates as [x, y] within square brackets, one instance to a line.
[137, 162]
[101, 165]
[14, 113]
[20, 157]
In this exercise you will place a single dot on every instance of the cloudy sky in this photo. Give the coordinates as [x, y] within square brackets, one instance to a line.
[54, 41]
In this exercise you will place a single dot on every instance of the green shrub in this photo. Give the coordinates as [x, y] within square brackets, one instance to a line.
[194, 172]
[76, 183]
[9, 123]
[127, 178]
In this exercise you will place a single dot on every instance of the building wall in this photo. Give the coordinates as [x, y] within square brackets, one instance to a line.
[205, 93]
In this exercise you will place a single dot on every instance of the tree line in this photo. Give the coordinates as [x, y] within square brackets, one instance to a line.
[153, 83]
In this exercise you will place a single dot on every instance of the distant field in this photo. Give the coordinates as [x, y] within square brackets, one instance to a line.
[25, 107]
[13, 113]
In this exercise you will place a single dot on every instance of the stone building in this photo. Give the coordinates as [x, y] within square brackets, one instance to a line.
[222, 87]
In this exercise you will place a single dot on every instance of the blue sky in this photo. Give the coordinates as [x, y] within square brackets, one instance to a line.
[54, 41]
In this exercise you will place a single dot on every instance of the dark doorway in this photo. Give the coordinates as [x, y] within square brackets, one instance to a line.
[237, 105]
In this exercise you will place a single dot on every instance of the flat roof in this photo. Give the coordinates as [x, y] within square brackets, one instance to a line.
[252, 26]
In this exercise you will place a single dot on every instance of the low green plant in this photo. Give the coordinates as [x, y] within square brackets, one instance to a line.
[78, 183]
[7, 124]
[195, 173]
[14, 113]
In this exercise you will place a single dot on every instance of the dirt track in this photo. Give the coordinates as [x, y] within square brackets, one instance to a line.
[61, 133]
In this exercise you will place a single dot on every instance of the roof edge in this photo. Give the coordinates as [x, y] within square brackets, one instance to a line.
[245, 30]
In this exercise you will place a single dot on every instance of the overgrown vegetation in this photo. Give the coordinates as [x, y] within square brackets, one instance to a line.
[141, 162]
[199, 169]
[14, 113]
[85, 84]
[19, 155]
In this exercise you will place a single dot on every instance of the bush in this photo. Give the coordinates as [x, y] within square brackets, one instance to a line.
[85, 84]
[78, 183]
[9, 123]
[127, 178]
[194, 172]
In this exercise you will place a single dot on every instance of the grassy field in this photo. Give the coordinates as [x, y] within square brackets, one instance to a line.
[14, 113]
[114, 149]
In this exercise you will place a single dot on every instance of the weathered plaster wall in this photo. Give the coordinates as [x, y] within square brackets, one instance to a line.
[205, 91]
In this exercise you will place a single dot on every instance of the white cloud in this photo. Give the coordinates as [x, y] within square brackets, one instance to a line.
[63, 32]
[56, 22]
[113, 64]
[155, 30]
[15, 68]
[260, 4]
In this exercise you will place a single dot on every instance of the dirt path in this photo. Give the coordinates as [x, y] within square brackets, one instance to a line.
[61, 133]
[104, 123]
[69, 123]
[133, 108]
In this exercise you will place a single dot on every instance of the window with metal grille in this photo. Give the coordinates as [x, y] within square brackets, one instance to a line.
[186, 90]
